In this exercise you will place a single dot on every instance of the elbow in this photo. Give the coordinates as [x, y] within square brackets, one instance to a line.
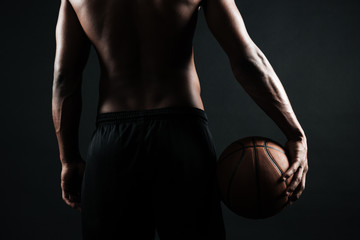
[251, 66]
[61, 74]
[65, 76]
[250, 71]
[66, 80]
[58, 77]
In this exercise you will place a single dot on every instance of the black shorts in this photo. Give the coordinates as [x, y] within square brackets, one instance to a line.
[152, 170]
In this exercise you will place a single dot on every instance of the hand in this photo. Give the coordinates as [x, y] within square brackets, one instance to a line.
[71, 180]
[296, 151]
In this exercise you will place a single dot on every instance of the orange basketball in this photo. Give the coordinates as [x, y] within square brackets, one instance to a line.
[249, 174]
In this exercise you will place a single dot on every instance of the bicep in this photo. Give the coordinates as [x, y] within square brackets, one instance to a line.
[226, 24]
[72, 44]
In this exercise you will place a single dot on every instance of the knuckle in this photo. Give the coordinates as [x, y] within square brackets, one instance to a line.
[297, 160]
[294, 186]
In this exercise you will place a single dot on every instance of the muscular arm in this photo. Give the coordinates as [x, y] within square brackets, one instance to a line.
[72, 49]
[254, 72]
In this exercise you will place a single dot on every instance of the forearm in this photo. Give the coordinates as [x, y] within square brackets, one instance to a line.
[260, 81]
[66, 112]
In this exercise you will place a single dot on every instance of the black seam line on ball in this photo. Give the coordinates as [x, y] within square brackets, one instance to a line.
[261, 146]
[244, 147]
[273, 160]
[265, 146]
[233, 176]
[257, 178]
[271, 148]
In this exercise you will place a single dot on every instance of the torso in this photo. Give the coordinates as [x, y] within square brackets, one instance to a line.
[145, 52]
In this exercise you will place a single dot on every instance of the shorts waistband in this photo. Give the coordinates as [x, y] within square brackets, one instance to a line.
[133, 115]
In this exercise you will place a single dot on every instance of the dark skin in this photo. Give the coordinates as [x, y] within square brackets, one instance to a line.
[147, 61]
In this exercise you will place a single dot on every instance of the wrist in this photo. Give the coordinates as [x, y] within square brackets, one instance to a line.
[298, 135]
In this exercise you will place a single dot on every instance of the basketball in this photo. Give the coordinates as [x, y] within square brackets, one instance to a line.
[249, 174]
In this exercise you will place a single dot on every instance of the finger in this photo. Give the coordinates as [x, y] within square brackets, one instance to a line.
[78, 207]
[67, 201]
[74, 205]
[295, 181]
[292, 169]
[299, 190]
[66, 195]
[70, 200]
[74, 197]
[306, 168]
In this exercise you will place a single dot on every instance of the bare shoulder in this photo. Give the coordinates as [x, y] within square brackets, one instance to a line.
[126, 20]
[132, 37]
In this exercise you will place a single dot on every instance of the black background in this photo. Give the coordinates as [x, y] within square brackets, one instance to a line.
[313, 47]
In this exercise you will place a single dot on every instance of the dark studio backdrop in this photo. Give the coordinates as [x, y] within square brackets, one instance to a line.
[312, 45]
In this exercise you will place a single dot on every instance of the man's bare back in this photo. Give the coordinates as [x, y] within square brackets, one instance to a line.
[146, 55]
[145, 50]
